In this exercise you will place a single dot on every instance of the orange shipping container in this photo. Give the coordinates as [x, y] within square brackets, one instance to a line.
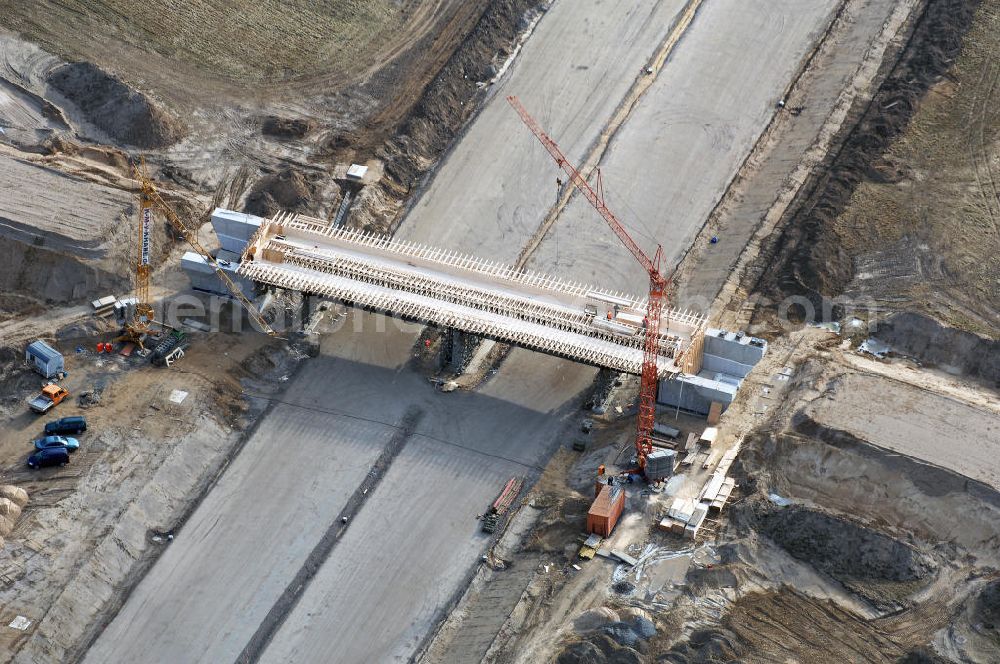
[605, 510]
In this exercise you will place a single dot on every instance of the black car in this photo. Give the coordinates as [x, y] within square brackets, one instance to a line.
[75, 424]
[50, 456]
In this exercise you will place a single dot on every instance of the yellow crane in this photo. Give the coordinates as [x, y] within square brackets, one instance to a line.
[143, 317]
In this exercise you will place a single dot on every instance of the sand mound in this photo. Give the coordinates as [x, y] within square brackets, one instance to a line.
[6, 526]
[599, 649]
[121, 112]
[286, 190]
[9, 509]
[12, 500]
[922, 656]
[630, 613]
[581, 653]
[279, 127]
[611, 637]
[706, 646]
[987, 607]
[15, 494]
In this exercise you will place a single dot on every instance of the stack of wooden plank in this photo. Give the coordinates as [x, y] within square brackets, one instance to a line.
[723, 496]
[680, 513]
[104, 306]
[717, 491]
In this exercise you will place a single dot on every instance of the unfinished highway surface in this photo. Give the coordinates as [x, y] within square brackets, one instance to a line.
[417, 538]
[399, 559]
[490, 195]
[672, 160]
[414, 542]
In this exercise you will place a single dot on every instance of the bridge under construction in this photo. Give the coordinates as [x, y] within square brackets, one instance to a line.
[480, 297]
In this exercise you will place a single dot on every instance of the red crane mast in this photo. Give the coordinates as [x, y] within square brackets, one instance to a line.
[657, 284]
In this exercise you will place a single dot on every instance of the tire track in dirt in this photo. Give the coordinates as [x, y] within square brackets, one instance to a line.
[420, 21]
[786, 625]
[978, 153]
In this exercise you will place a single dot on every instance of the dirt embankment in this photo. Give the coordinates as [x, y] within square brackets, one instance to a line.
[39, 269]
[810, 258]
[789, 626]
[847, 552]
[879, 568]
[420, 112]
[123, 113]
[288, 189]
[32, 276]
[944, 347]
[840, 547]
[987, 607]
[443, 109]
[846, 474]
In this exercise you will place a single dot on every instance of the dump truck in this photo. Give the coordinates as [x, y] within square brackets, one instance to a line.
[51, 396]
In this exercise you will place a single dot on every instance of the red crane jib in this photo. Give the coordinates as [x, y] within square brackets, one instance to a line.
[657, 284]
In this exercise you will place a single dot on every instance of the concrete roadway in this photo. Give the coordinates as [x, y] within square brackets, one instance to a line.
[210, 590]
[413, 543]
[410, 546]
[490, 195]
[671, 162]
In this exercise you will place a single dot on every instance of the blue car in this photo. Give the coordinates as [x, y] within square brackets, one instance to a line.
[73, 424]
[71, 444]
[49, 456]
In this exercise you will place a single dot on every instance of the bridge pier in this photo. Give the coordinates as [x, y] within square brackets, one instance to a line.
[606, 380]
[457, 350]
[305, 311]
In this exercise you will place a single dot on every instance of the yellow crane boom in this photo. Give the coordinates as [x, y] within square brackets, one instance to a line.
[150, 198]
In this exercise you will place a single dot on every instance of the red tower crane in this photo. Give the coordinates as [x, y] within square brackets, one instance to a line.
[657, 285]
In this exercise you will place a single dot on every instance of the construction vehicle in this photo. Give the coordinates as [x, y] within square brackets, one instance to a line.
[51, 396]
[139, 324]
[650, 378]
[169, 349]
[500, 506]
[142, 319]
